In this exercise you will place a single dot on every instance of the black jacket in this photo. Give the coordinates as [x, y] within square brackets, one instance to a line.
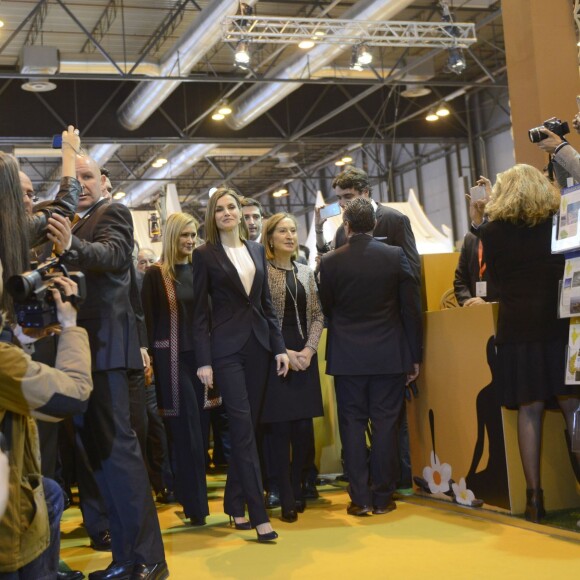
[371, 299]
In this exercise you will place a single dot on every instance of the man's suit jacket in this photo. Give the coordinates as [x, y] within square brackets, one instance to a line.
[370, 296]
[567, 163]
[467, 272]
[101, 248]
[393, 228]
[223, 326]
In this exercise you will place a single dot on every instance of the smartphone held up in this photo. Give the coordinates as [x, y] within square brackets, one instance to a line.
[330, 210]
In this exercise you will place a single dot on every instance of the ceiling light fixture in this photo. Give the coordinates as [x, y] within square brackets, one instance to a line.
[217, 116]
[242, 55]
[160, 162]
[306, 44]
[339, 163]
[119, 195]
[280, 193]
[432, 116]
[364, 56]
[456, 61]
[347, 159]
[225, 109]
[442, 110]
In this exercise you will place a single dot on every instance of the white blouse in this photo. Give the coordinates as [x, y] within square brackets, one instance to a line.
[243, 263]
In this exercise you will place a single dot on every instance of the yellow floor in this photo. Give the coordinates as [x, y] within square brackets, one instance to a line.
[413, 542]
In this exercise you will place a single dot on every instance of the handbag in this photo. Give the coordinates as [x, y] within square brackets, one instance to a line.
[211, 398]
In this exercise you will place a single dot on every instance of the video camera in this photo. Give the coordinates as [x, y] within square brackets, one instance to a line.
[32, 296]
[552, 124]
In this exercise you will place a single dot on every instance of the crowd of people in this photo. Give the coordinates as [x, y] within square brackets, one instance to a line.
[225, 332]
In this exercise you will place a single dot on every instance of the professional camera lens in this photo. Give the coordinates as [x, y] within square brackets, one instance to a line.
[22, 287]
[536, 134]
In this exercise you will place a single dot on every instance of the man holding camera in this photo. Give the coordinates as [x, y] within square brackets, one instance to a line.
[566, 159]
[30, 528]
[100, 245]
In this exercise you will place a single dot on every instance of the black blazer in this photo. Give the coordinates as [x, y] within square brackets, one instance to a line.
[101, 248]
[393, 228]
[467, 272]
[526, 274]
[370, 296]
[223, 326]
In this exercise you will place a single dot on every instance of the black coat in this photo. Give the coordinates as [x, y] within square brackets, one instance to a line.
[223, 325]
[101, 248]
[393, 228]
[526, 274]
[371, 299]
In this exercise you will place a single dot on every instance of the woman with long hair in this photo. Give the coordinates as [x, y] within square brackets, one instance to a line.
[168, 303]
[236, 335]
[19, 232]
[531, 342]
[292, 401]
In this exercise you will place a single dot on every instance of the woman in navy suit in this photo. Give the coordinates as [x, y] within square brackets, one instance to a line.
[234, 338]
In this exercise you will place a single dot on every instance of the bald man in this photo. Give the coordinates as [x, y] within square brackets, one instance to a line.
[100, 245]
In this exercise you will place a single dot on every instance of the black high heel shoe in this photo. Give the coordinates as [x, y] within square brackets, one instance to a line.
[267, 537]
[534, 505]
[241, 525]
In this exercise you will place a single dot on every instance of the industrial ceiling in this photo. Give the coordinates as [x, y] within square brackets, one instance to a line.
[141, 79]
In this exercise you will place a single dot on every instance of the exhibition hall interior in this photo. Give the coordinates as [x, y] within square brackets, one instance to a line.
[376, 368]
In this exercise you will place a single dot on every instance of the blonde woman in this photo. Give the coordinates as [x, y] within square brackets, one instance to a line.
[236, 337]
[292, 401]
[531, 342]
[168, 303]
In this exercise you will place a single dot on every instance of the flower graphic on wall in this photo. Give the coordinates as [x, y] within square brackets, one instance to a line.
[463, 495]
[437, 475]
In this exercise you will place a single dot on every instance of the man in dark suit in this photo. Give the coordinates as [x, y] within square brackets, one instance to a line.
[370, 296]
[472, 285]
[100, 246]
[392, 227]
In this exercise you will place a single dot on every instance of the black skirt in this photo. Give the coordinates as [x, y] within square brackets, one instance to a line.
[533, 371]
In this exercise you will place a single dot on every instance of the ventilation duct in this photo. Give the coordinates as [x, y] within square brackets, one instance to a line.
[262, 97]
[179, 161]
[204, 33]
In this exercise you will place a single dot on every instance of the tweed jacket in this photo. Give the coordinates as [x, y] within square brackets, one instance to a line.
[34, 390]
[314, 316]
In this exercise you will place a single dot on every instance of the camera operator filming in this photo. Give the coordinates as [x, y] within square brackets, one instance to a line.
[30, 528]
[550, 137]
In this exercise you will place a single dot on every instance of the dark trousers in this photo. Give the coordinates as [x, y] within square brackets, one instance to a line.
[45, 566]
[220, 429]
[186, 443]
[119, 470]
[160, 474]
[377, 398]
[92, 503]
[290, 443]
[405, 475]
[241, 379]
[138, 407]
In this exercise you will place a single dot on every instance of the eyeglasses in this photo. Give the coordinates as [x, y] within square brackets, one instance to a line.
[31, 196]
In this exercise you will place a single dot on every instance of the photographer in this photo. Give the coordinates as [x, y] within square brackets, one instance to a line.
[30, 528]
[566, 159]
[20, 232]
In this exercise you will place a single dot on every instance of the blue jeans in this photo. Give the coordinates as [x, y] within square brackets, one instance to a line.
[45, 566]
